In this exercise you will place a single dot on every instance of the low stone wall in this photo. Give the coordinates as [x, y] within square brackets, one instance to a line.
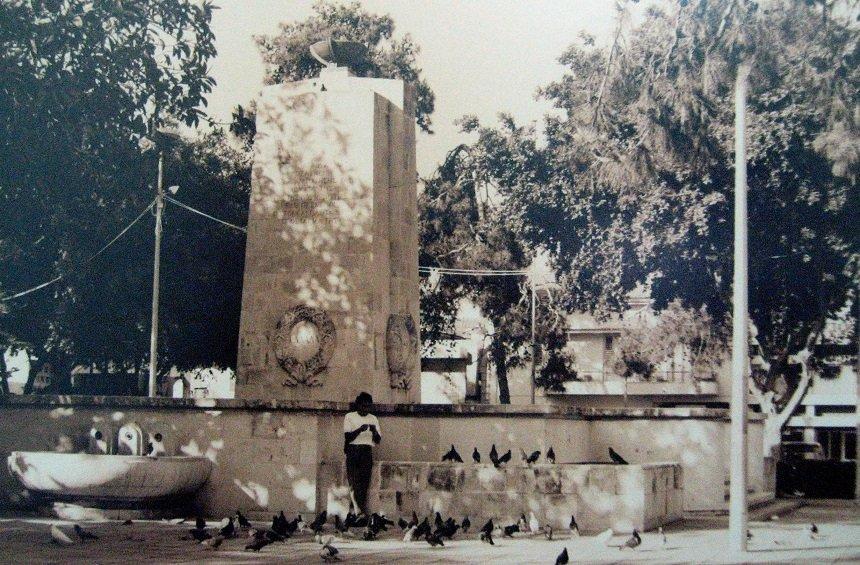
[273, 455]
[621, 497]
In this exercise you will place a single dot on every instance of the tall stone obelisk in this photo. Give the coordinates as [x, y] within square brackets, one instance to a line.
[330, 296]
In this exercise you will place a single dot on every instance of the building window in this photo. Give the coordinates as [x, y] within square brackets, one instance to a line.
[608, 342]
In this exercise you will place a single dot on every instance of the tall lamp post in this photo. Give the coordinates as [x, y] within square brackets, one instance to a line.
[740, 342]
[156, 276]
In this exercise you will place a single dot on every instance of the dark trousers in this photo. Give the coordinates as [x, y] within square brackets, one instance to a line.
[359, 462]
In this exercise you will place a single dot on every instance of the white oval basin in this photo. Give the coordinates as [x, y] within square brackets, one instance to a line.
[108, 477]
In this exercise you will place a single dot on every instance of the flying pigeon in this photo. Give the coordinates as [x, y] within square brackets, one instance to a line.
[476, 457]
[452, 455]
[83, 534]
[59, 537]
[562, 558]
[535, 455]
[633, 541]
[466, 525]
[617, 459]
[550, 456]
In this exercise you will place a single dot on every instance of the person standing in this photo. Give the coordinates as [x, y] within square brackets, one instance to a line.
[360, 434]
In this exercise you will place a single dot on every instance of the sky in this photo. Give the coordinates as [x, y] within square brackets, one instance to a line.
[480, 57]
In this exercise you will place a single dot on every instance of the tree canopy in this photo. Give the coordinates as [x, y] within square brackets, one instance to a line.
[288, 59]
[83, 85]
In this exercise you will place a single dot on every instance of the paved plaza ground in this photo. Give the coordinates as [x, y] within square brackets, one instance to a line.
[701, 541]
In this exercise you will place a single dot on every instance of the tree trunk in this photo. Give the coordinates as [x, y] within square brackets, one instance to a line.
[500, 361]
[4, 374]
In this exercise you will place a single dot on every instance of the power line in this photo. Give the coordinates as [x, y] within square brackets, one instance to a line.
[88, 261]
[205, 215]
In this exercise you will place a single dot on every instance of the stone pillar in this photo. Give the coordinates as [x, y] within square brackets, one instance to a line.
[330, 295]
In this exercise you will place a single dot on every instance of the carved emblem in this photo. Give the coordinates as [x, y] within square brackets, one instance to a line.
[304, 343]
[401, 349]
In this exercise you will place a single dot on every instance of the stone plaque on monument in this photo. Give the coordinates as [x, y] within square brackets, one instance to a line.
[331, 268]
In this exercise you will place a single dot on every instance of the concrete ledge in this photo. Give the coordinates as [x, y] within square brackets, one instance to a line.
[621, 497]
[435, 410]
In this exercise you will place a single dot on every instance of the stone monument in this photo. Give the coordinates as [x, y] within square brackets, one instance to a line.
[330, 295]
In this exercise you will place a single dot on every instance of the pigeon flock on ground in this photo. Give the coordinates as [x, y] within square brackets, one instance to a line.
[435, 531]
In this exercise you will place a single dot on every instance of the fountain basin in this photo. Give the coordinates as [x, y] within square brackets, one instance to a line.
[108, 479]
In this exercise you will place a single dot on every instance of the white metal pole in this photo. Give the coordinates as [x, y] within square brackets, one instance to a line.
[534, 343]
[156, 270]
[740, 341]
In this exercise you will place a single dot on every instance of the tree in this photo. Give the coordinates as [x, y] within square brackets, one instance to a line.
[82, 83]
[459, 229]
[632, 182]
[288, 59]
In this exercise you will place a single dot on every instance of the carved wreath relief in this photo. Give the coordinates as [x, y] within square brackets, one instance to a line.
[305, 339]
[401, 349]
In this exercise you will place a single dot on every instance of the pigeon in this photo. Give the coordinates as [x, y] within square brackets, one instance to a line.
[127, 523]
[534, 525]
[434, 539]
[214, 543]
[329, 552]
[663, 539]
[563, 558]
[229, 530]
[523, 455]
[410, 533]
[476, 457]
[749, 535]
[504, 458]
[535, 455]
[83, 534]
[633, 541]
[319, 522]
[509, 531]
[402, 524]
[617, 459]
[813, 529]
[59, 537]
[487, 537]
[200, 523]
[494, 456]
[574, 527]
[438, 520]
[414, 521]
[522, 523]
[448, 529]
[199, 535]
[466, 525]
[258, 544]
[488, 527]
[452, 455]
[550, 456]
[243, 521]
[547, 532]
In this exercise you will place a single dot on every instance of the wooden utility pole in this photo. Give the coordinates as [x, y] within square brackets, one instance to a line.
[534, 341]
[740, 340]
[156, 271]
